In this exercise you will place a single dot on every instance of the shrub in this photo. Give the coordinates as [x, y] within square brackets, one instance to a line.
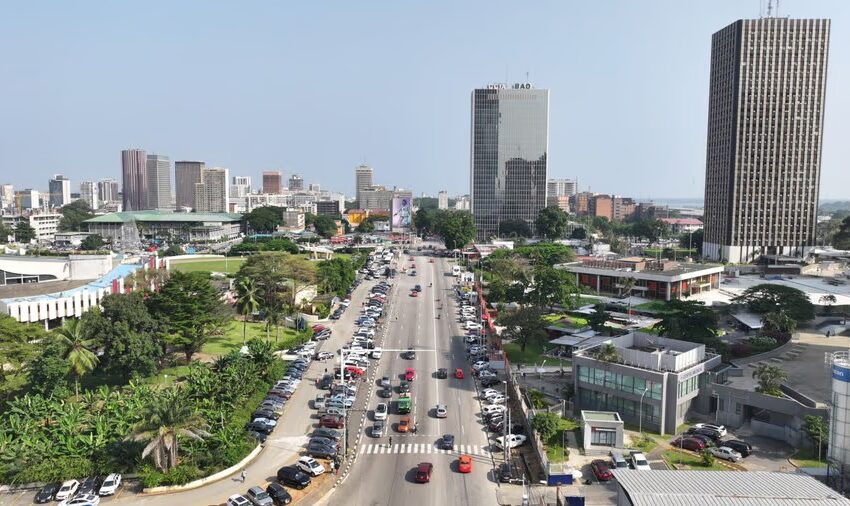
[179, 475]
[707, 458]
[56, 469]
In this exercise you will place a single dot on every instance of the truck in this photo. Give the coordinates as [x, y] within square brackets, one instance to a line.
[403, 405]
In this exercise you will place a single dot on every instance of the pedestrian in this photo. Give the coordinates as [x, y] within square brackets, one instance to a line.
[391, 440]
[244, 475]
[333, 466]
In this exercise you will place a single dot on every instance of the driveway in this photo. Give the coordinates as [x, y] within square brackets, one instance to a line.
[768, 455]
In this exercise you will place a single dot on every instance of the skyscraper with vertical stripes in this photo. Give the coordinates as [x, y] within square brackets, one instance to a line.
[134, 176]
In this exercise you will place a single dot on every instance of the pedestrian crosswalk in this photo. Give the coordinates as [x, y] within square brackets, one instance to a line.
[422, 448]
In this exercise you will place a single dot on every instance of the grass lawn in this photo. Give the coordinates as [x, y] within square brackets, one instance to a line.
[805, 457]
[169, 375]
[555, 451]
[231, 339]
[211, 265]
[554, 318]
[691, 460]
[653, 305]
[532, 354]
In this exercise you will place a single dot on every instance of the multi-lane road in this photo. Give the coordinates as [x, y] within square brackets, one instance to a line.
[384, 473]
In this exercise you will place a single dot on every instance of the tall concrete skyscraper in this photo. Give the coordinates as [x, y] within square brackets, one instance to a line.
[159, 182]
[296, 182]
[186, 175]
[59, 191]
[88, 193]
[510, 143]
[107, 191]
[765, 131]
[213, 192]
[134, 179]
[443, 199]
[272, 182]
[363, 175]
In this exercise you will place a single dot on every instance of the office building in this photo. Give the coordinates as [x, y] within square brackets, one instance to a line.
[443, 200]
[186, 175]
[28, 199]
[107, 191]
[213, 192]
[363, 180]
[88, 193]
[134, 179]
[272, 182]
[601, 206]
[7, 196]
[314, 187]
[560, 187]
[765, 131]
[159, 182]
[330, 207]
[296, 183]
[510, 141]
[653, 382]
[59, 191]
[380, 198]
[45, 222]
[623, 208]
[240, 187]
[463, 203]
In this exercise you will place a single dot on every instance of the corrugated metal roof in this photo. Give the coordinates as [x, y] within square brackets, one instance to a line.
[163, 216]
[722, 488]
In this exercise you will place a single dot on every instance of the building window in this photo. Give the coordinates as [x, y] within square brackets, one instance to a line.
[603, 437]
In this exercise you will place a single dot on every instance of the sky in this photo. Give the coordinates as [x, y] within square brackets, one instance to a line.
[319, 87]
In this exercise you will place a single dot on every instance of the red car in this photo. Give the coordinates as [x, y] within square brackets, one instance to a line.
[318, 328]
[423, 472]
[688, 443]
[601, 470]
[409, 374]
[332, 422]
[464, 464]
[414, 294]
[430, 260]
[459, 373]
[355, 370]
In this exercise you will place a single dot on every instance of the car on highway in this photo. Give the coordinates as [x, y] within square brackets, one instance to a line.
[511, 440]
[442, 373]
[67, 490]
[423, 472]
[327, 433]
[332, 422]
[403, 387]
[409, 374]
[47, 493]
[404, 424]
[110, 485]
[378, 428]
[238, 500]
[259, 497]
[726, 453]
[381, 411]
[81, 500]
[310, 466]
[688, 443]
[414, 294]
[408, 354]
[459, 373]
[441, 411]
[278, 494]
[293, 477]
[719, 429]
[447, 442]
[464, 464]
[385, 393]
[601, 470]
[639, 461]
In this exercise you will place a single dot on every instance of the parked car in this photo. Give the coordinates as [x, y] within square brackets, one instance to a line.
[486, 373]
[324, 355]
[317, 449]
[259, 497]
[327, 433]
[720, 429]
[688, 443]
[310, 466]
[259, 436]
[511, 440]
[110, 485]
[639, 461]
[81, 500]
[47, 493]
[481, 364]
[494, 408]
[506, 472]
[447, 442]
[713, 434]
[726, 453]
[320, 402]
[324, 441]
[381, 411]
[423, 472]
[293, 477]
[489, 382]
[278, 494]
[707, 441]
[742, 447]
[601, 470]
[464, 464]
[332, 422]
[268, 414]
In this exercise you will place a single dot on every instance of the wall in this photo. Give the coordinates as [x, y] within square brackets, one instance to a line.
[89, 266]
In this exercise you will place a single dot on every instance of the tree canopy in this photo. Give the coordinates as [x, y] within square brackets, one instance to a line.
[687, 320]
[74, 214]
[324, 225]
[841, 239]
[768, 298]
[92, 242]
[457, 228]
[514, 228]
[551, 222]
[24, 232]
[525, 326]
[335, 276]
[264, 220]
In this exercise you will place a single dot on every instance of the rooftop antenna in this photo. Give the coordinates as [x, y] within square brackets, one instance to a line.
[526, 77]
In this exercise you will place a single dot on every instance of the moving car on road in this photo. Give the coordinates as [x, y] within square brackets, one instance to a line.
[409, 374]
[423, 472]
[441, 411]
[464, 464]
[442, 373]
[459, 373]
[447, 442]
[404, 424]
[381, 411]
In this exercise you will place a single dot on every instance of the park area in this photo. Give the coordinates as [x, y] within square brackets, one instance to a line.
[228, 265]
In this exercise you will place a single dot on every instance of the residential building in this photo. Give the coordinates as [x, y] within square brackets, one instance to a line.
[213, 192]
[240, 187]
[45, 222]
[765, 132]
[560, 188]
[580, 203]
[28, 199]
[192, 227]
[7, 196]
[134, 179]
[651, 211]
[88, 193]
[652, 382]
[363, 175]
[272, 182]
[59, 191]
[186, 175]
[296, 183]
[602, 206]
[509, 147]
[463, 203]
[443, 200]
[159, 182]
[107, 190]
[314, 187]
[562, 202]
[293, 219]
[682, 225]
[653, 279]
[623, 208]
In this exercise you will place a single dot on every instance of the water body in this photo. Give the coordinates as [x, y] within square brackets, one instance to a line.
[677, 203]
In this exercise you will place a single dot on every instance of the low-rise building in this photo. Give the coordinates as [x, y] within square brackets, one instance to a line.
[44, 222]
[682, 225]
[652, 381]
[192, 227]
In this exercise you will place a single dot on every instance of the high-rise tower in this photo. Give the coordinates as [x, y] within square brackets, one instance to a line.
[363, 175]
[134, 179]
[159, 182]
[186, 175]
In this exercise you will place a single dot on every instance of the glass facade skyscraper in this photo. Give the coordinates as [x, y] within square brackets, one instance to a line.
[510, 144]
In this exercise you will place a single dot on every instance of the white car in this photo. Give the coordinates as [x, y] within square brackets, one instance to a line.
[639, 462]
[441, 411]
[724, 452]
[471, 339]
[68, 489]
[720, 429]
[110, 484]
[493, 408]
[497, 399]
[376, 353]
[310, 466]
[486, 373]
[472, 326]
[489, 392]
[320, 402]
[81, 500]
[238, 500]
[477, 366]
[265, 421]
[381, 411]
[324, 355]
[512, 440]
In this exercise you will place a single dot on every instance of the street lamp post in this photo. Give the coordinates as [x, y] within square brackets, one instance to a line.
[640, 411]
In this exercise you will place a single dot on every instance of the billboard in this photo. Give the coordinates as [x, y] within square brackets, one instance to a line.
[402, 213]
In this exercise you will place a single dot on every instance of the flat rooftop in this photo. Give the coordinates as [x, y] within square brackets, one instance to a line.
[601, 416]
[163, 217]
[43, 288]
[622, 265]
[813, 286]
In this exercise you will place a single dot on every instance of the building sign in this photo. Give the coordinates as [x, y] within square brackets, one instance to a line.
[690, 373]
[840, 373]
[402, 213]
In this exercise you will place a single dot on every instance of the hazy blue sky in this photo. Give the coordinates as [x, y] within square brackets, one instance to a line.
[318, 87]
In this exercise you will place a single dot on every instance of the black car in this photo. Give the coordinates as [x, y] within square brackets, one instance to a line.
[90, 485]
[447, 442]
[278, 494]
[323, 441]
[293, 477]
[259, 436]
[489, 382]
[404, 387]
[328, 433]
[742, 447]
[713, 434]
[325, 382]
[506, 472]
[47, 492]
[321, 451]
[385, 393]
[265, 413]
[410, 354]
[442, 373]
[259, 427]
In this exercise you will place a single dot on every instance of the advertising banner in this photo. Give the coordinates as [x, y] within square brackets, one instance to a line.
[402, 213]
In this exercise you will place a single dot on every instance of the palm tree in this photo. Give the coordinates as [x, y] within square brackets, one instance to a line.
[274, 316]
[78, 351]
[248, 302]
[628, 286]
[770, 377]
[828, 300]
[166, 417]
[608, 353]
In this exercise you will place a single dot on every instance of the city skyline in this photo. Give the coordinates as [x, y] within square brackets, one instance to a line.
[663, 104]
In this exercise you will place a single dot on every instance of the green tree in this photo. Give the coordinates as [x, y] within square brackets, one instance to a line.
[827, 301]
[514, 228]
[546, 424]
[18, 346]
[367, 226]
[263, 220]
[73, 216]
[817, 430]
[92, 243]
[78, 350]
[767, 298]
[423, 221]
[553, 287]
[778, 323]
[168, 415]
[708, 458]
[841, 239]
[335, 275]
[24, 232]
[173, 251]
[578, 233]
[248, 302]
[325, 226]
[608, 353]
[5, 233]
[769, 378]
[261, 354]
[692, 240]
[551, 222]
[131, 354]
[48, 373]
[598, 318]
[281, 245]
[426, 203]
[457, 228]
[687, 320]
[190, 309]
[525, 326]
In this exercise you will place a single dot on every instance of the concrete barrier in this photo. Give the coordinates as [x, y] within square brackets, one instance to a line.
[209, 479]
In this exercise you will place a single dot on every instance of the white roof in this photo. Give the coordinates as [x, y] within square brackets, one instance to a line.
[725, 488]
[751, 320]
